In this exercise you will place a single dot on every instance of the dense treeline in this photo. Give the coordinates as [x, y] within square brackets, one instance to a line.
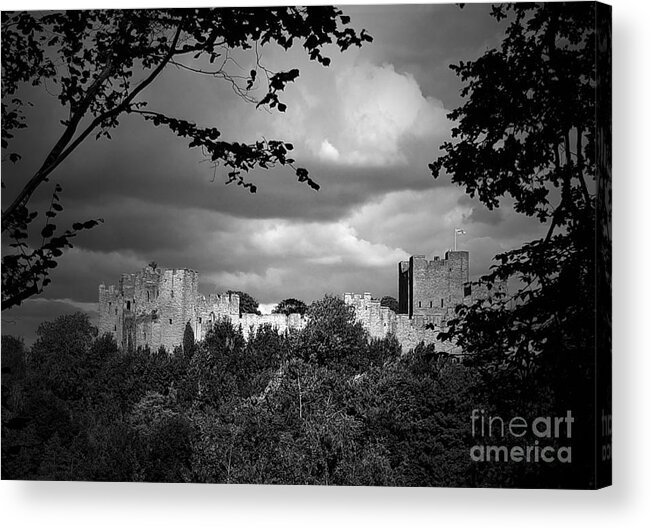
[322, 406]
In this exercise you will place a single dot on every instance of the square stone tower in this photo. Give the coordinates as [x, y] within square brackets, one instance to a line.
[431, 287]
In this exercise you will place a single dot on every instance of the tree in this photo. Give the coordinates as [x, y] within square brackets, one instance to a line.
[290, 306]
[60, 355]
[390, 302]
[332, 336]
[530, 137]
[100, 63]
[13, 358]
[248, 304]
[527, 133]
[188, 340]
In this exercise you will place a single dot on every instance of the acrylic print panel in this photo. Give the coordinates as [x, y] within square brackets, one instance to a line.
[405, 281]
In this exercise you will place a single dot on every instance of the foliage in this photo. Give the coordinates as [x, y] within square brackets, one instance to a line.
[99, 63]
[25, 269]
[290, 306]
[248, 304]
[525, 134]
[276, 408]
[530, 137]
[188, 340]
[390, 302]
[237, 412]
[332, 335]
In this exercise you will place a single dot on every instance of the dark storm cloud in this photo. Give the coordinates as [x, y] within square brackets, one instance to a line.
[366, 128]
[425, 39]
[152, 165]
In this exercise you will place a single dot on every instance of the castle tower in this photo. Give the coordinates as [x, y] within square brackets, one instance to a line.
[431, 287]
[149, 308]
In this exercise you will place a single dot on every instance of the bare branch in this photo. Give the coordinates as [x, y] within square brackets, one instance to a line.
[58, 154]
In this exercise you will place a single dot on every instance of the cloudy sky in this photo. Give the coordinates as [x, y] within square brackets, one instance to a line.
[366, 127]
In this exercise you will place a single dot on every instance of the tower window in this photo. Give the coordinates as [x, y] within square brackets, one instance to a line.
[199, 320]
[441, 302]
[430, 304]
[419, 306]
[171, 293]
[170, 321]
[116, 310]
[128, 305]
[115, 327]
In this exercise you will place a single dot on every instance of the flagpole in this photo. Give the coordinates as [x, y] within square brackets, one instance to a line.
[457, 231]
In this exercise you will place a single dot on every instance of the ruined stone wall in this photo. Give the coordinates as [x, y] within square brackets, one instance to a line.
[380, 322]
[163, 301]
[211, 308]
[250, 323]
[377, 320]
[151, 308]
[110, 303]
[428, 293]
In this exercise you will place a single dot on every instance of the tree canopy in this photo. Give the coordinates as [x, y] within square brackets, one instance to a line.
[290, 306]
[526, 134]
[99, 63]
[248, 304]
[390, 302]
[261, 410]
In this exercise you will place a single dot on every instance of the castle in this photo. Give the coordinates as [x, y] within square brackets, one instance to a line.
[151, 308]
[428, 293]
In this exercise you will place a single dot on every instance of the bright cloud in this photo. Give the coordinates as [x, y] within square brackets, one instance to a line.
[363, 115]
[381, 108]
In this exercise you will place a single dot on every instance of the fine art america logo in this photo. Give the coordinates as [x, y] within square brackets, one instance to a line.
[518, 440]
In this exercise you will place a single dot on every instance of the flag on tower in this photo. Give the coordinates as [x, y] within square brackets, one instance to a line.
[457, 231]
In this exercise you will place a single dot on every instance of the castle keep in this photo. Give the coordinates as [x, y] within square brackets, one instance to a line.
[428, 293]
[151, 308]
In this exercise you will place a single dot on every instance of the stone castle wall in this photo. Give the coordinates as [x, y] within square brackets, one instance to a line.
[431, 287]
[428, 293]
[151, 308]
[380, 322]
